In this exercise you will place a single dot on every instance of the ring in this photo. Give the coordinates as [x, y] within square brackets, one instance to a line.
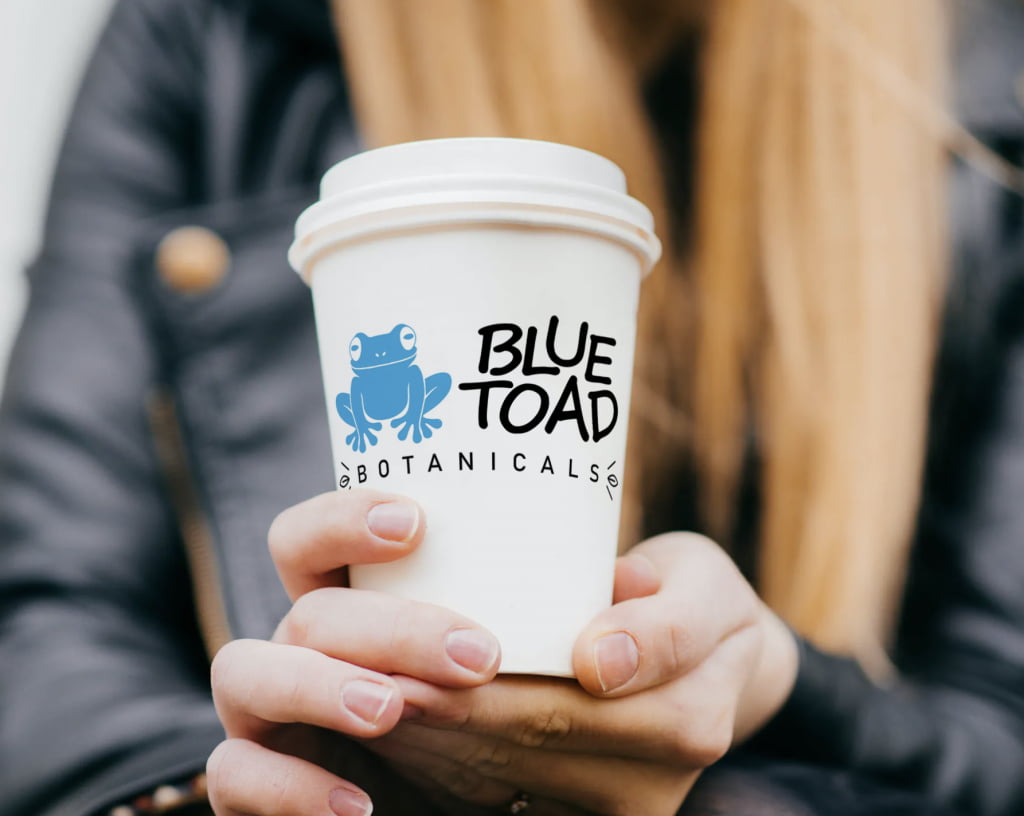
[519, 803]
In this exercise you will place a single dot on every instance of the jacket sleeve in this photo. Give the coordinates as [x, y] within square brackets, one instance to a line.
[952, 725]
[104, 687]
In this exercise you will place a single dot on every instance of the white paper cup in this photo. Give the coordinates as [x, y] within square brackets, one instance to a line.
[476, 306]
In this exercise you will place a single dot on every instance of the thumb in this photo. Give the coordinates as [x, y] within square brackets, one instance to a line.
[635, 577]
[677, 597]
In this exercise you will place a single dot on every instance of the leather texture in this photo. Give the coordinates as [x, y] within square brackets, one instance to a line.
[224, 114]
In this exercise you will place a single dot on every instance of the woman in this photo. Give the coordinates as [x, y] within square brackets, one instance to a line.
[791, 151]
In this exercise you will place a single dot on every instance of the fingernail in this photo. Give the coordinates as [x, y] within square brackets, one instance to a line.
[395, 521]
[345, 802]
[472, 649]
[366, 700]
[617, 659]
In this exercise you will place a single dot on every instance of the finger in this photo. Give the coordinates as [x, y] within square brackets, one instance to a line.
[257, 685]
[246, 779]
[442, 773]
[311, 542]
[635, 577]
[470, 767]
[646, 641]
[685, 722]
[392, 635]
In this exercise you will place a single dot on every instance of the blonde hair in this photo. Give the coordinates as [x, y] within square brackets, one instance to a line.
[804, 313]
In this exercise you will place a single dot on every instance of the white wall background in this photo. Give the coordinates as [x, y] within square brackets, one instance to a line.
[43, 48]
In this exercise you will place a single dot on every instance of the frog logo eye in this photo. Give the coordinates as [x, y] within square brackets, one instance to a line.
[407, 337]
[355, 349]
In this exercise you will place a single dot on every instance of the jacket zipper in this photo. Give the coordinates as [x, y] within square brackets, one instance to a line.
[192, 521]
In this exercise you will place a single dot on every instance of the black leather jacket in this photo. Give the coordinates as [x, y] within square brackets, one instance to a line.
[148, 437]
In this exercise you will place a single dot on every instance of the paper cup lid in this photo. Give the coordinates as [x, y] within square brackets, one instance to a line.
[474, 180]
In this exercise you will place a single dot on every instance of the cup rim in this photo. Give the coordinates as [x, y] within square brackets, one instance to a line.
[590, 198]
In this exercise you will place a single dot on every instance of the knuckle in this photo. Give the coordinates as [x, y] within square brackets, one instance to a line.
[705, 742]
[751, 606]
[699, 541]
[405, 626]
[298, 530]
[455, 716]
[336, 518]
[545, 728]
[416, 629]
[679, 751]
[490, 758]
[715, 745]
[282, 793]
[220, 767]
[294, 692]
[463, 781]
[223, 668]
[305, 614]
[279, 538]
[296, 630]
[677, 649]
[686, 543]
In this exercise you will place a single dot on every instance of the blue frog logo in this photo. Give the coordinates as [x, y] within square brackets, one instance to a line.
[388, 385]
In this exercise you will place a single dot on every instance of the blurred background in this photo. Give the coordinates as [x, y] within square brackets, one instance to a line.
[46, 43]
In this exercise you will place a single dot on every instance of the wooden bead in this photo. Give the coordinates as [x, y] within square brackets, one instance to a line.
[192, 260]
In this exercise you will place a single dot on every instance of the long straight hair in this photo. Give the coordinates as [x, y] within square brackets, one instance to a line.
[796, 330]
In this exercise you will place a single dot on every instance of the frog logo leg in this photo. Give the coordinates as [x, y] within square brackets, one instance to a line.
[356, 417]
[437, 387]
[424, 394]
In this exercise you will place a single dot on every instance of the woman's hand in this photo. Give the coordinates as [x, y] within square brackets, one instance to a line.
[328, 669]
[686, 663]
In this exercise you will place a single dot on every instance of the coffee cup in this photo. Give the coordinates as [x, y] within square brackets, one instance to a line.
[476, 304]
